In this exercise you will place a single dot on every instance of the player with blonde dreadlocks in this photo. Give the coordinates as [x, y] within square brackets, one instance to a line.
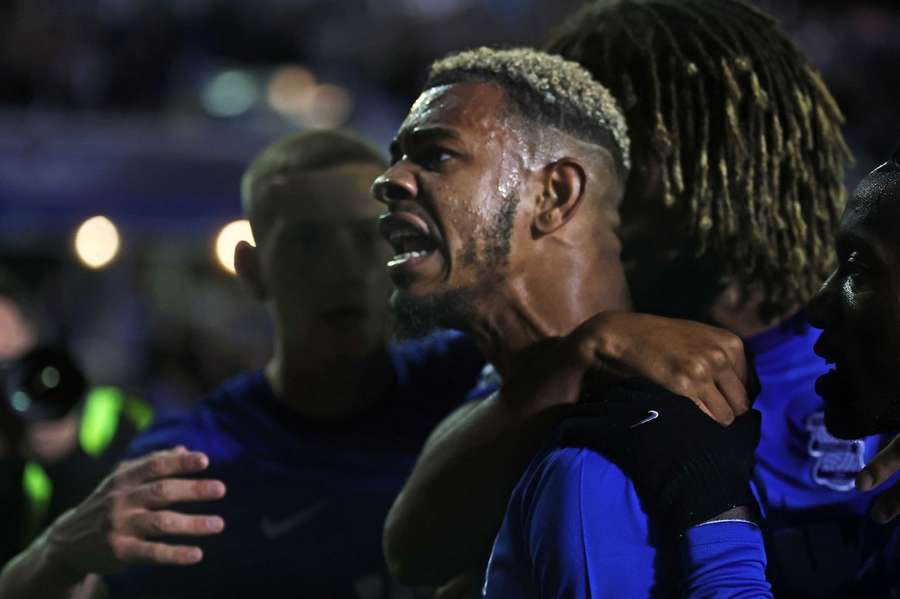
[737, 150]
[729, 216]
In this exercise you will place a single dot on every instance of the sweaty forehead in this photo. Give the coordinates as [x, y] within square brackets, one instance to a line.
[468, 108]
[875, 207]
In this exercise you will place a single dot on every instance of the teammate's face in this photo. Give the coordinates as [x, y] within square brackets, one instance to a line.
[452, 193]
[858, 309]
[322, 260]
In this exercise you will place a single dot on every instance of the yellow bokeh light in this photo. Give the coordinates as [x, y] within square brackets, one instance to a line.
[228, 238]
[330, 107]
[97, 242]
[291, 90]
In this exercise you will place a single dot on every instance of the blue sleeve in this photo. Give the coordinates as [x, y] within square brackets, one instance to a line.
[585, 532]
[194, 431]
[157, 437]
[724, 559]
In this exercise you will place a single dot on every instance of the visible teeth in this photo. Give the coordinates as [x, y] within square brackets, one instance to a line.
[401, 258]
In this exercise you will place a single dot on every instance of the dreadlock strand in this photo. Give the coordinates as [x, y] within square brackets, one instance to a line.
[742, 131]
[734, 90]
[677, 174]
[630, 97]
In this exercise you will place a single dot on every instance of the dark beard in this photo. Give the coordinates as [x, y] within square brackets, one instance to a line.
[417, 317]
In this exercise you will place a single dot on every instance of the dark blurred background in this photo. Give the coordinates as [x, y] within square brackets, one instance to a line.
[146, 112]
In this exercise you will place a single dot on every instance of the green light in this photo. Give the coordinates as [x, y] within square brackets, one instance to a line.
[38, 488]
[38, 485]
[100, 419]
[139, 412]
[103, 409]
[50, 377]
[20, 401]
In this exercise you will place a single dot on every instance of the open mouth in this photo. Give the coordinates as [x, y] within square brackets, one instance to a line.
[830, 385]
[825, 349]
[412, 240]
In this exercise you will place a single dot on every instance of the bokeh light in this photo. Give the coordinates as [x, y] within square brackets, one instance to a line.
[97, 242]
[330, 107]
[291, 90]
[20, 401]
[16, 333]
[228, 238]
[294, 94]
[230, 93]
[50, 377]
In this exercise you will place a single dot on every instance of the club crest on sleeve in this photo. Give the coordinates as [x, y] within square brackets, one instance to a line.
[836, 461]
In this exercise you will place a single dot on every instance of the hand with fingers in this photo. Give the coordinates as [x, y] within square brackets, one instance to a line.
[116, 524]
[690, 360]
[693, 360]
[882, 467]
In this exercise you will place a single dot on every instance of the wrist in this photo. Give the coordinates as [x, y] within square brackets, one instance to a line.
[55, 555]
[749, 513]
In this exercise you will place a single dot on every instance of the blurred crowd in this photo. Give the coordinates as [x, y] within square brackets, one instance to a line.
[148, 111]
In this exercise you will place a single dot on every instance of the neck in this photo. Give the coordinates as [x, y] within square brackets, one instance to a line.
[562, 287]
[324, 389]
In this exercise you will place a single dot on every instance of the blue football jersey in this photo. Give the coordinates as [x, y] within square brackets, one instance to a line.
[306, 501]
[803, 479]
[575, 528]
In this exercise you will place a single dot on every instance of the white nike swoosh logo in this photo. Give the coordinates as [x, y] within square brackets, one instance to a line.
[651, 415]
[274, 529]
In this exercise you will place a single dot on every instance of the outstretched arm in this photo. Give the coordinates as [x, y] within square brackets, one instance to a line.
[445, 519]
[114, 527]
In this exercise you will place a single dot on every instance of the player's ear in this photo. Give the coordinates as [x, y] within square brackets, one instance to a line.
[246, 263]
[561, 194]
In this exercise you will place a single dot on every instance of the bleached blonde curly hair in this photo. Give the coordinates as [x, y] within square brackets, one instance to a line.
[546, 89]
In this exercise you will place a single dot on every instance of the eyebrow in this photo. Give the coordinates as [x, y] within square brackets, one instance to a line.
[421, 136]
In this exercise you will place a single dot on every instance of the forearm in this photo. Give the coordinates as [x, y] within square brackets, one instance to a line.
[445, 519]
[36, 572]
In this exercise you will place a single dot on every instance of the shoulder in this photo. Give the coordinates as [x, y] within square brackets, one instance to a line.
[578, 519]
[576, 473]
[444, 355]
[586, 495]
[203, 427]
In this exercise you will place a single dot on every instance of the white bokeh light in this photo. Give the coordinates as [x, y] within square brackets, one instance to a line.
[97, 242]
[228, 238]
